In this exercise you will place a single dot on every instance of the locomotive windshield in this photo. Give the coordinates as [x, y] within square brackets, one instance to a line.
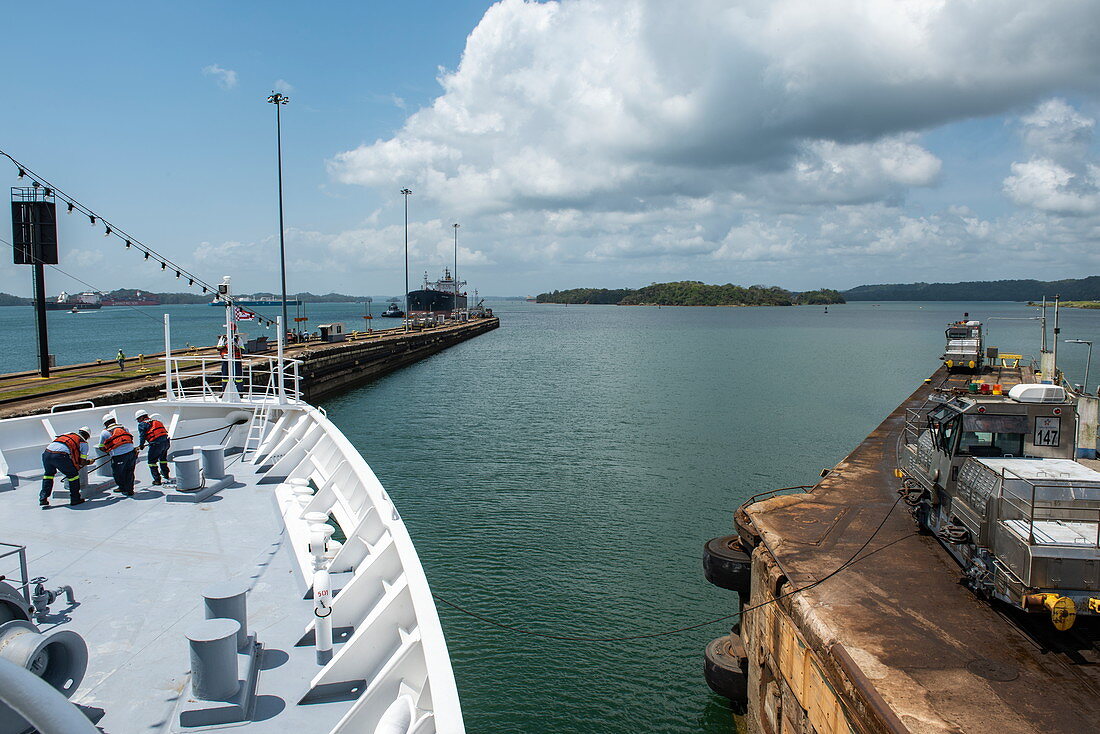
[992, 435]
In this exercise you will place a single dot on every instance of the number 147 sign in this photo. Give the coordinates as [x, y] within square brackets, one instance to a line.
[1046, 431]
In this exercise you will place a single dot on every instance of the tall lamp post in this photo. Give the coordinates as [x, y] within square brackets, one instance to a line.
[279, 100]
[1088, 360]
[454, 273]
[406, 193]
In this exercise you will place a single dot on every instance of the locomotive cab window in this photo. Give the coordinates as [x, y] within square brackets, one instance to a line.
[992, 435]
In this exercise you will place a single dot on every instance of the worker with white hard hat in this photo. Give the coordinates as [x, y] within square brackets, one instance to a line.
[66, 454]
[152, 431]
[118, 443]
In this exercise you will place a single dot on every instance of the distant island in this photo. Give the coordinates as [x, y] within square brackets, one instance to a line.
[692, 293]
[1080, 289]
[1070, 304]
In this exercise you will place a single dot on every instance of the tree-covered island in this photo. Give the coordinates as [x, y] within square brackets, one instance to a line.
[692, 293]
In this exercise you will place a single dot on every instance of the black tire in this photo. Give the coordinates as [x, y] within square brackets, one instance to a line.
[726, 669]
[727, 565]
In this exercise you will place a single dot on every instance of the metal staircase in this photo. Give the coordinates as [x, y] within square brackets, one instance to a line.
[256, 429]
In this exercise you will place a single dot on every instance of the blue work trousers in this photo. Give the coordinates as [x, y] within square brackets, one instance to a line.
[52, 463]
[158, 458]
[122, 469]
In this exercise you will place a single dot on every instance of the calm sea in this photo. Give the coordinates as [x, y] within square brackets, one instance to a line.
[562, 473]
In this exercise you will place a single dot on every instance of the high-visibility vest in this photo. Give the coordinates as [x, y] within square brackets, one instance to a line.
[119, 437]
[155, 430]
[72, 441]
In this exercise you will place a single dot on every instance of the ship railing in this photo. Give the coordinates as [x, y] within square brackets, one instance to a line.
[1050, 503]
[11, 549]
[916, 420]
[253, 378]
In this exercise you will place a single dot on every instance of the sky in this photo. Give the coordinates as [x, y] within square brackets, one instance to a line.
[599, 143]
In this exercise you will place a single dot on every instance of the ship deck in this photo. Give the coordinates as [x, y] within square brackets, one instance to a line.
[938, 658]
[138, 567]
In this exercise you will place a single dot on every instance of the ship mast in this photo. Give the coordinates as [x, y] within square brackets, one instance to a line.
[454, 273]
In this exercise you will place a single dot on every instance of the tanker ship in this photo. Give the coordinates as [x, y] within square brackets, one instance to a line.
[441, 298]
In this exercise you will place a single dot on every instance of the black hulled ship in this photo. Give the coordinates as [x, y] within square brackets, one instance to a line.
[441, 298]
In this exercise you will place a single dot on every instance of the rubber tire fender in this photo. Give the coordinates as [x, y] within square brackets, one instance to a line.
[726, 669]
[727, 565]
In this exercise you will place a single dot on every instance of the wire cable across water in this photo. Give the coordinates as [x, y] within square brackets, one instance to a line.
[852, 560]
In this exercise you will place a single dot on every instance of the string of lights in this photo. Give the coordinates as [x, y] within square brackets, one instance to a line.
[130, 242]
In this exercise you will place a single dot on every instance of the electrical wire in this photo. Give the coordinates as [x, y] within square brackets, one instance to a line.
[852, 560]
[230, 427]
[131, 241]
[85, 283]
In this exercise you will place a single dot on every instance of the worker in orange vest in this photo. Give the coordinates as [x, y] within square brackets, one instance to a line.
[66, 454]
[151, 431]
[118, 443]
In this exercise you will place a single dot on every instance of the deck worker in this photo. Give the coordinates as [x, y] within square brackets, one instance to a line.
[118, 443]
[121, 359]
[151, 431]
[66, 454]
[223, 351]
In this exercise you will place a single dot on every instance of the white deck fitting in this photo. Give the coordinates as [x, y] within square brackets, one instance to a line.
[138, 567]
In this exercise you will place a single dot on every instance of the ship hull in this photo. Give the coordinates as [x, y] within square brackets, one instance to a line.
[428, 301]
[55, 306]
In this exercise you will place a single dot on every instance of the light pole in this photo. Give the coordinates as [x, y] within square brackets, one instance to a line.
[406, 193]
[454, 274]
[1088, 360]
[279, 100]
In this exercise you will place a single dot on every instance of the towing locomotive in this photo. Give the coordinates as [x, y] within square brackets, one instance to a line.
[994, 477]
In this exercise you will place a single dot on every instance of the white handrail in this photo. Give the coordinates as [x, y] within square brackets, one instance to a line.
[258, 378]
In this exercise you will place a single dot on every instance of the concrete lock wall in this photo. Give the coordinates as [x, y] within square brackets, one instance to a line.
[330, 369]
[788, 688]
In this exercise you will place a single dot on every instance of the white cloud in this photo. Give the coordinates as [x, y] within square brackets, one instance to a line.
[281, 85]
[226, 78]
[587, 103]
[1057, 130]
[717, 139]
[1043, 184]
[1059, 177]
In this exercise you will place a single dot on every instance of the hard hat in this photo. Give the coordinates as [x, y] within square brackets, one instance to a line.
[109, 418]
[155, 415]
[138, 415]
[85, 431]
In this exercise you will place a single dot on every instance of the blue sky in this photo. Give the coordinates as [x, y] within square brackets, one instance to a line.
[587, 142]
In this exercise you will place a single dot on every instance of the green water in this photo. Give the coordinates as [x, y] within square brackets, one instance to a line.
[562, 472]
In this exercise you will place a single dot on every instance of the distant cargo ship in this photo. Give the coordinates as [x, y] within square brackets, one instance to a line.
[264, 301]
[138, 299]
[439, 298]
[87, 301]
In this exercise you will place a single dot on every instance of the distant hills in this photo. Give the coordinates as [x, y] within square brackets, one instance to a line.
[692, 293]
[695, 293]
[1080, 289]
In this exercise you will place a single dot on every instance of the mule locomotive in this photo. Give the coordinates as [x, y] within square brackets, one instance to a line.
[993, 476]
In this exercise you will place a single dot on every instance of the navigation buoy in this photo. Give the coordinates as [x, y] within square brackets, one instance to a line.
[726, 564]
[726, 670]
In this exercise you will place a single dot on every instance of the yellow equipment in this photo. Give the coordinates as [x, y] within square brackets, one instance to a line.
[1063, 612]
